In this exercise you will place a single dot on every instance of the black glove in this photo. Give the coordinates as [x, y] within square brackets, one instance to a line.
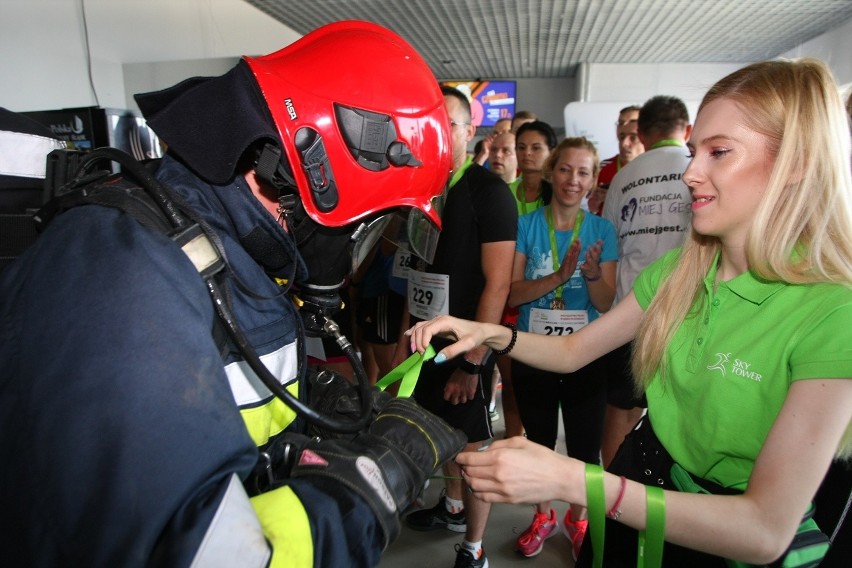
[388, 464]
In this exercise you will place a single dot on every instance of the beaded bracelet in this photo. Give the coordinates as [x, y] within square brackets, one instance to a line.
[588, 279]
[512, 341]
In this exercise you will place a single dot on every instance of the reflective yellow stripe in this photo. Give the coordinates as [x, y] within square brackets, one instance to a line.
[264, 422]
[285, 524]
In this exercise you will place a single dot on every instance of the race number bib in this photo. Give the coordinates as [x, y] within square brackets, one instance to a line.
[557, 322]
[428, 294]
[402, 262]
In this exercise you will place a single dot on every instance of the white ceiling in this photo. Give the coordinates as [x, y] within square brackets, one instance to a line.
[460, 39]
[548, 38]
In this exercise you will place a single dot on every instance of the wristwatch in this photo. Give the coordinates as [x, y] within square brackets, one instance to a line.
[468, 367]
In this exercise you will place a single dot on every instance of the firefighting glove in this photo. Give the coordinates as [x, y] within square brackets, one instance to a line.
[388, 464]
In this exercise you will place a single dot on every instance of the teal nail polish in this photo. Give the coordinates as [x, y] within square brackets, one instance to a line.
[440, 358]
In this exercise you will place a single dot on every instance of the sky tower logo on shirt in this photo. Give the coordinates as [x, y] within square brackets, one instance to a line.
[739, 368]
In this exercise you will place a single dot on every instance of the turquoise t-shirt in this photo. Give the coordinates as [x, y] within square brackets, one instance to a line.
[534, 242]
[733, 360]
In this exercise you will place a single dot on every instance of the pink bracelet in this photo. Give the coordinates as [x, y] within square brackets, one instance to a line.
[615, 512]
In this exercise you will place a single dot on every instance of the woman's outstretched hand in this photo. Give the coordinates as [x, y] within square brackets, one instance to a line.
[517, 471]
[467, 335]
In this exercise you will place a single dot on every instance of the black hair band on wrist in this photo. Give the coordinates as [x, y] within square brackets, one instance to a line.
[512, 341]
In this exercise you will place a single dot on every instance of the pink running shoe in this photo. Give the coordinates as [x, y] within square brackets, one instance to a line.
[575, 531]
[532, 540]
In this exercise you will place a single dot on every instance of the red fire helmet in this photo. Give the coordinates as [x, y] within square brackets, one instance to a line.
[362, 120]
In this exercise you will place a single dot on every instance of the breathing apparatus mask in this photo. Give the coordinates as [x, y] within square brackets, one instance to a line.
[331, 254]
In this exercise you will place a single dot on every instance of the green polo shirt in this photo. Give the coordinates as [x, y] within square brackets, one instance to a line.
[733, 360]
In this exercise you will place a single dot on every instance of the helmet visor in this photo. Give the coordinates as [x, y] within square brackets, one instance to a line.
[421, 231]
[365, 238]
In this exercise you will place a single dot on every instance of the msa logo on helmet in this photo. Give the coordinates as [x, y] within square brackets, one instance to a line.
[291, 110]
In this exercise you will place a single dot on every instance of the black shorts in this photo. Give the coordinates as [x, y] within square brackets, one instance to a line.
[619, 379]
[581, 397]
[472, 417]
[380, 318]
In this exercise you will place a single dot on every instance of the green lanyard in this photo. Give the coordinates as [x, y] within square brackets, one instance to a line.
[667, 142]
[596, 504]
[554, 250]
[521, 193]
[649, 553]
[521, 196]
[458, 175]
[408, 372]
[651, 540]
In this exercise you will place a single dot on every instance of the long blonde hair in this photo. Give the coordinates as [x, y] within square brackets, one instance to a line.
[807, 207]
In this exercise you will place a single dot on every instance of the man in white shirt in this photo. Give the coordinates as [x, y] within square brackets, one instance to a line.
[650, 207]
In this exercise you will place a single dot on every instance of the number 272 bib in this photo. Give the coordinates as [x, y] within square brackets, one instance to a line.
[557, 322]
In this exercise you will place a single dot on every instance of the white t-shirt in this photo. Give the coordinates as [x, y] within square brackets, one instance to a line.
[650, 207]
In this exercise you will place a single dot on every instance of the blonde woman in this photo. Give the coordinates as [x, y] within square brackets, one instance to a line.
[743, 343]
[563, 277]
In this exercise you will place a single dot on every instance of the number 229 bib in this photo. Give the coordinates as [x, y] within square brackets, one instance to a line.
[428, 294]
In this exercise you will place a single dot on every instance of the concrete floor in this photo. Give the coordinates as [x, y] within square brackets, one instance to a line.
[435, 549]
